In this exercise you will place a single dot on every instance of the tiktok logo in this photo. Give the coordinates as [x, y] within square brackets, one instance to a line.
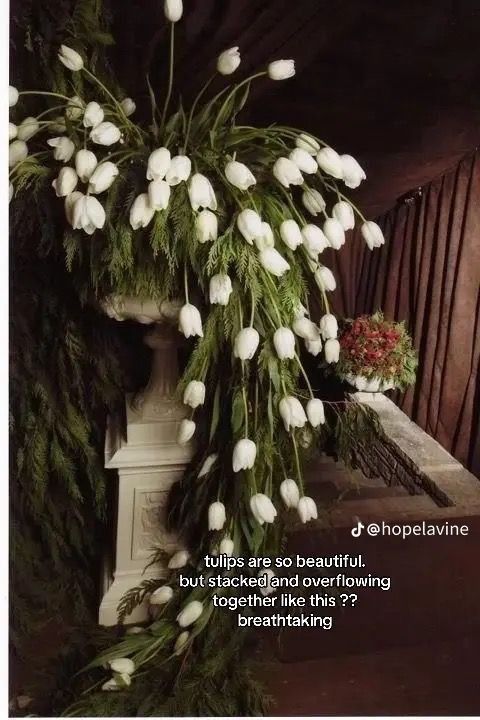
[357, 531]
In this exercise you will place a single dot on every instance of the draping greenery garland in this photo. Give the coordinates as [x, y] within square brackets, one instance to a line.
[220, 225]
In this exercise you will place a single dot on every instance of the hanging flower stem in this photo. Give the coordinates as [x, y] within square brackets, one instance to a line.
[170, 76]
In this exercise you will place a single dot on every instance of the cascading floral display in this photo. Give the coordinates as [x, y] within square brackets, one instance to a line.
[233, 220]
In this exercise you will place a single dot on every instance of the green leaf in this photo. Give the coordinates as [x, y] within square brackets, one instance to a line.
[215, 412]
[238, 413]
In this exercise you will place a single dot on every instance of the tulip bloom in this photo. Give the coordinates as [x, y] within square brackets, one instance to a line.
[207, 465]
[305, 328]
[161, 595]
[314, 347]
[173, 10]
[17, 152]
[244, 454]
[87, 214]
[329, 161]
[269, 574]
[201, 193]
[352, 172]
[325, 279]
[206, 226]
[307, 143]
[178, 560]
[314, 240]
[12, 131]
[70, 58]
[273, 262]
[284, 342]
[313, 201]
[343, 212]
[287, 173]
[281, 69]
[179, 170]
[328, 326]
[190, 613]
[246, 343]
[227, 546]
[63, 148]
[304, 161]
[158, 163]
[266, 239]
[263, 510]
[186, 430]
[141, 212]
[102, 177]
[159, 194]
[194, 394]
[228, 61]
[181, 642]
[332, 350]
[249, 224]
[75, 107]
[239, 175]
[122, 665]
[70, 201]
[128, 106]
[190, 321]
[291, 234]
[290, 493]
[292, 412]
[93, 115]
[216, 516]
[12, 96]
[372, 234]
[27, 128]
[307, 510]
[105, 134]
[334, 233]
[220, 289]
[315, 412]
[66, 182]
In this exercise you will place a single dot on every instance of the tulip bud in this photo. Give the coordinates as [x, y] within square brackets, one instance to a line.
[314, 240]
[158, 163]
[334, 233]
[57, 125]
[12, 131]
[343, 212]
[194, 394]
[105, 134]
[246, 343]
[102, 177]
[352, 172]
[284, 342]
[201, 193]
[87, 214]
[315, 412]
[70, 58]
[329, 161]
[325, 279]
[307, 509]
[328, 326]
[292, 412]
[159, 194]
[372, 234]
[227, 546]
[299, 310]
[128, 106]
[307, 143]
[304, 161]
[281, 69]
[181, 642]
[173, 10]
[239, 175]
[249, 224]
[190, 321]
[305, 328]
[332, 350]
[186, 431]
[141, 212]
[66, 182]
[111, 685]
[263, 510]
[216, 516]
[63, 148]
[220, 289]
[122, 665]
[27, 128]
[273, 262]
[161, 595]
[93, 115]
[291, 234]
[269, 575]
[70, 201]
[179, 170]
[314, 347]
[12, 96]
[266, 238]
[244, 454]
[190, 613]
[178, 560]
[75, 107]
[287, 173]
[228, 61]
[207, 465]
[206, 226]
[313, 201]
[290, 493]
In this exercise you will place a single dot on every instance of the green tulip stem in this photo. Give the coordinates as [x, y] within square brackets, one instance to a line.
[170, 76]
[192, 109]
[297, 461]
[185, 278]
[127, 123]
[244, 395]
[252, 313]
[334, 188]
[304, 375]
[52, 109]
[41, 92]
[29, 157]
[231, 94]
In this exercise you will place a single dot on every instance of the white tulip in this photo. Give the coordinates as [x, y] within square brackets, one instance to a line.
[10, 191]
[190, 613]
[325, 279]
[328, 326]
[273, 262]
[161, 595]
[128, 106]
[343, 212]
[228, 61]
[334, 233]
[246, 343]
[93, 115]
[372, 234]
[12, 96]
[158, 164]
[75, 107]
[314, 347]
[27, 128]
[220, 289]
[281, 69]
[179, 170]
[173, 10]
[290, 493]
[12, 131]
[141, 212]
[58, 125]
[304, 161]
[122, 665]
[305, 328]
[85, 164]
[314, 240]
[263, 510]
[207, 465]
[291, 234]
[70, 201]
[201, 193]
[206, 226]
[17, 152]
[292, 412]
[110, 685]
[269, 574]
[181, 642]
[332, 350]
[287, 173]
[102, 177]
[216, 516]
[178, 560]
[299, 310]
[284, 342]
[190, 321]
[307, 510]
[105, 134]
[227, 546]
[315, 412]
[194, 394]
[330, 162]
[352, 172]
[313, 201]
[159, 194]
[307, 143]
[239, 175]
[63, 148]
[87, 214]
[186, 430]
[70, 58]
[66, 182]
[249, 224]
[244, 454]
[266, 239]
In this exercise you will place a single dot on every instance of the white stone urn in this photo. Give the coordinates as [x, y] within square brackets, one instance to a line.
[370, 385]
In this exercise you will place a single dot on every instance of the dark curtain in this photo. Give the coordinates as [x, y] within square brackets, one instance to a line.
[428, 274]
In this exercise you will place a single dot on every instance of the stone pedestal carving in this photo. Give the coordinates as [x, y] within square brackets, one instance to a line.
[148, 461]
